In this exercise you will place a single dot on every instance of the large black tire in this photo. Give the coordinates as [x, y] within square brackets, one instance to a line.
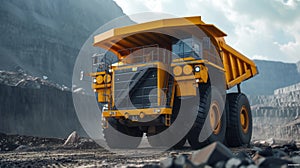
[157, 141]
[180, 144]
[118, 136]
[154, 140]
[239, 127]
[210, 97]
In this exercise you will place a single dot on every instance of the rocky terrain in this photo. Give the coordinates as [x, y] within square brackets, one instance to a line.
[35, 106]
[44, 37]
[38, 48]
[24, 80]
[28, 151]
[277, 115]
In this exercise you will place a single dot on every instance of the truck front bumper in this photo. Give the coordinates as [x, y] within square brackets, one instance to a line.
[137, 113]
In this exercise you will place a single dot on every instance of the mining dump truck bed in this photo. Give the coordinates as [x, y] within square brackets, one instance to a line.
[236, 66]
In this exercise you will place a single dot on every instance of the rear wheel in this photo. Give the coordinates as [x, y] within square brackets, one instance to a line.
[210, 124]
[121, 136]
[239, 128]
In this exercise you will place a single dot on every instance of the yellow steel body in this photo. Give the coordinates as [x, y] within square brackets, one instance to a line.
[236, 66]
[137, 112]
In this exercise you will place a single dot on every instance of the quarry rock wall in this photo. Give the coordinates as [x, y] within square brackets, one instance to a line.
[277, 115]
[44, 111]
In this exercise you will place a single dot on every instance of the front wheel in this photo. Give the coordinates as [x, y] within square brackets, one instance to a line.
[118, 136]
[157, 141]
[239, 127]
[210, 124]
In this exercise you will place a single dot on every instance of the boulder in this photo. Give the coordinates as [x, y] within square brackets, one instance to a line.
[296, 159]
[273, 162]
[233, 162]
[21, 148]
[166, 163]
[211, 154]
[267, 152]
[72, 139]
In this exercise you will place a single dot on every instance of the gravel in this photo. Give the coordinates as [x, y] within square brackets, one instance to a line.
[29, 151]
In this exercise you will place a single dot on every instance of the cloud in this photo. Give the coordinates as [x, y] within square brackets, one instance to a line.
[266, 29]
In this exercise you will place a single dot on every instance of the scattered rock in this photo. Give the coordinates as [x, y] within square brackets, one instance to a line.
[215, 155]
[257, 158]
[180, 161]
[296, 159]
[243, 155]
[211, 154]
[85, 143]
[22, 79]
[268, 142]
[72, 139]
[267, 152]
[233, 163]
[273, 162]
[252, 166]
[291, 146]
[219, 156]
[21, 148]
[279, 153]
[167, 163]
[256, 149]
[220, 164]
[245, 158]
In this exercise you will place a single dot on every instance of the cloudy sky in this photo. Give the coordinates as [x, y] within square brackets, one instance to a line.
[260, 29]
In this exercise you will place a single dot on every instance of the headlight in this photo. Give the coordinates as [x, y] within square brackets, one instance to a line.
[94, 80]
[99, 79]
[177, 70]
[197, 68]
[107, 78]
[187, 69]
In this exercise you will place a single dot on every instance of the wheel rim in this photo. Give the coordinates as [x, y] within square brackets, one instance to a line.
[244, 119]
[215, 117]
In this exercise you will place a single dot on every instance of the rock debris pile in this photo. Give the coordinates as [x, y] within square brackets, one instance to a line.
[283, 103]
[30, 143]
[24, 80]
[277, 115]
[219, 156]
[76, 151]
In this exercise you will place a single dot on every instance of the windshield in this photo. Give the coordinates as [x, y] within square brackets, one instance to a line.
[190, 47]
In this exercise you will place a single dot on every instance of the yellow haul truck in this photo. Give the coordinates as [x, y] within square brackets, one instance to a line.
[161, 64]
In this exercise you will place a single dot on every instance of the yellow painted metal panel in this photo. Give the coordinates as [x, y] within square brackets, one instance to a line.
[186, 88]
[237, 67]
[213, 30]
[233, 65]
[240, 79]
[97, 73]
[241, 71]
[103, 95]
[226, 67]
[96, 86]
[148, 111]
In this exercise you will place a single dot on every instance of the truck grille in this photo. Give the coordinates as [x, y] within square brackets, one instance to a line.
[135, 89]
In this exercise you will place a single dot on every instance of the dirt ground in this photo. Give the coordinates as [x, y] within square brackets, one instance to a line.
[26, 151]
[74, 158]
[83, 158]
